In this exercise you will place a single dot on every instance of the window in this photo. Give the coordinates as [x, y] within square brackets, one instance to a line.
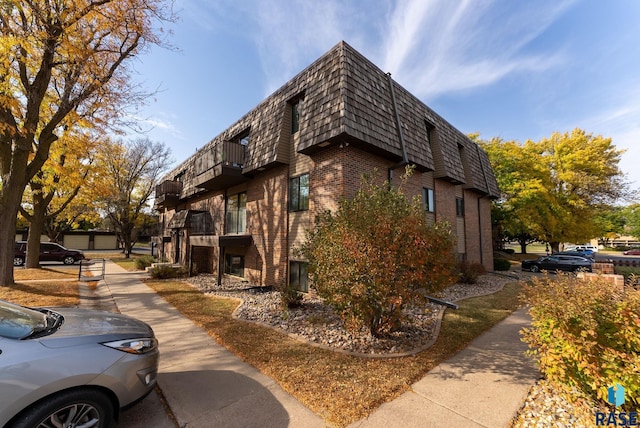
[236, 213]
[201, 224]
[430, 131]
[428, 200]
[299, 275]
[234, 264]
[460, 207]
[296, 108]
[299, 193]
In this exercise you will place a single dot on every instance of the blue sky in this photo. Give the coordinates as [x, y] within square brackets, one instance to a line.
[514, 69]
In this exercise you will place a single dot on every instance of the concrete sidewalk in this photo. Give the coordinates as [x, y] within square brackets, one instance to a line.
[482, 386]
[204, 384]
[207, 386]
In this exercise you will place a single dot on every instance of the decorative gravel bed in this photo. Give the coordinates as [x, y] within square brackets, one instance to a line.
[317, 323]
[547, 407]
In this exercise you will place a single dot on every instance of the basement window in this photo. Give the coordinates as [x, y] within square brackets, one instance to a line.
[299, 276]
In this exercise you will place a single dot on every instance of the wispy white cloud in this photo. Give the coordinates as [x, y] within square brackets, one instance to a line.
[159, 127]
[431, 46]
[291, 34]
[617, 117]
[441, 46]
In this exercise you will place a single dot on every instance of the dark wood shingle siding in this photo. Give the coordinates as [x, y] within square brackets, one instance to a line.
[322, 112]
[345, 95]
[369, 114]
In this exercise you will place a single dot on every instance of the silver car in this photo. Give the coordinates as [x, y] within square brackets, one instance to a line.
[66, 367]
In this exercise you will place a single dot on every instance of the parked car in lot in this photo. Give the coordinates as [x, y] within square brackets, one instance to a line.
[62, 367]
[49, 252]
[583, 247]
[587, 254]
[557, 262]
[633, 252]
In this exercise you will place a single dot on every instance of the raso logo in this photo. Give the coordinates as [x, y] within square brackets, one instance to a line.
[615, 397]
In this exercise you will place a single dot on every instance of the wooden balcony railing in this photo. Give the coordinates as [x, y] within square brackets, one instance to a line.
[220, 166]
[168, 193]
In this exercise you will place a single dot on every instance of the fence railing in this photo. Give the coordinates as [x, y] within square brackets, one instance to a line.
[91, 270]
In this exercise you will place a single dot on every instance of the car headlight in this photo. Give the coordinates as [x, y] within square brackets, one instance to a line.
[134, 346]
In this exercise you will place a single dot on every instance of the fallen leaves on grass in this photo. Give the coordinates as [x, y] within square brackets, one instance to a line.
[38, 274]
[51, 293]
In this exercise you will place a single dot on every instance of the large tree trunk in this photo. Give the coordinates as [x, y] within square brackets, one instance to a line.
[35, 233]
[10, 196]
[7, 244]
[127, 231]
[523, 246]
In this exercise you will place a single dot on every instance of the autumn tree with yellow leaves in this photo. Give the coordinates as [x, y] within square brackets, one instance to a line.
[61, 62]
[553, 188]
[58, 195]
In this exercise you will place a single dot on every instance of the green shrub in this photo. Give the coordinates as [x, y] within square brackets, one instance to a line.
[290, 297]
[631, 274]
[509, 251]
[168, 271]
[585, 334]
[468, 273]
[376, 253]
[144, 262]
[501, 264]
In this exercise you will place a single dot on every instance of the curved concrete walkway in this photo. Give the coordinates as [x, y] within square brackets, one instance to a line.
[207, 386]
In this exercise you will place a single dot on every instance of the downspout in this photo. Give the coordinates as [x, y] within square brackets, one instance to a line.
[405, 158]
[222, 232]
[480, 233]
[164, 225]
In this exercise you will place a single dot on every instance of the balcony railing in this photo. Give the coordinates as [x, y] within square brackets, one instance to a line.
[168, 193]
[220, 166]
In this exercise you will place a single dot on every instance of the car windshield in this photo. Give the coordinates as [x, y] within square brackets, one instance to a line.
[18, 322]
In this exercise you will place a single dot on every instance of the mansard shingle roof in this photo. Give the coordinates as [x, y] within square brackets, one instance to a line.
[347, 97]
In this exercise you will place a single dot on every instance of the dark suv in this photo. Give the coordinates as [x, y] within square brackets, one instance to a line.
[49, 252]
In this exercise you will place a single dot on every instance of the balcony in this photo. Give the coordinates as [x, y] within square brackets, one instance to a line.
[168, 194]
[220, 166]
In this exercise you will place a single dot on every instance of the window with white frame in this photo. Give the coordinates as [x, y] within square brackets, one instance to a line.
[428, 200]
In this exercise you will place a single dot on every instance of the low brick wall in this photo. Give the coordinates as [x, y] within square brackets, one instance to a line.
[603, 268]
[616, 280]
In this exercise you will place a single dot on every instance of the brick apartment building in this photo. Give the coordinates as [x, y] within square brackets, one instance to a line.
[242, 203]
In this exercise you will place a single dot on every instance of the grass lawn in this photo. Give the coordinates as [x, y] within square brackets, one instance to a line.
[50, 293]
[118, 258]
[45, 273]
[341, 388]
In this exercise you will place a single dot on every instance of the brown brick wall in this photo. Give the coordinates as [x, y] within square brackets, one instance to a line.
[445, 201]
[486, 233]
[266, 260]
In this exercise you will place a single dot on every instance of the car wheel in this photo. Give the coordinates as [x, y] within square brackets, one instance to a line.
[69, 260]
[18, 261]
[535, 269]
[75, 408]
